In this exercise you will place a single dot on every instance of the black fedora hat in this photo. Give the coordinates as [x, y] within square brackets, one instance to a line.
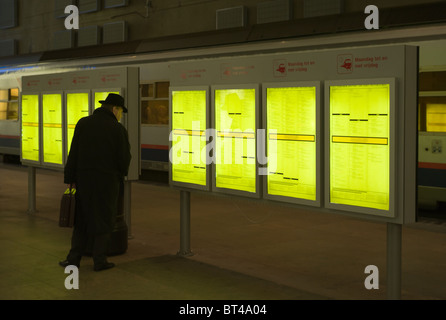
[114, 100]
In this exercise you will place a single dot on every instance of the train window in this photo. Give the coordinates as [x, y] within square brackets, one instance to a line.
[14, 94]
[432, 101]
[436, 117]
[147, 90]
[9, 104]
[432, 81]
[3, 110]
[155, 112]
[162, 90]
[432, 112]
[155, 103]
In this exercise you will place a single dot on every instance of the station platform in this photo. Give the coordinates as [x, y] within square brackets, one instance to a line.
[242, 250]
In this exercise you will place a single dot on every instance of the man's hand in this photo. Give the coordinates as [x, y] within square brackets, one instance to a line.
[72, 186]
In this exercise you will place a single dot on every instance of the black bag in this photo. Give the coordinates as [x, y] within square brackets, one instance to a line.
[67, 208]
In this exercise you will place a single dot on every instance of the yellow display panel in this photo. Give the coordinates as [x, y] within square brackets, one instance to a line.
[359, 145]
[436, 117]
[99, 96]
[291, 130]
[235, 124]
[52, 128]
[30, 127]
[188, 136]
[77, 108]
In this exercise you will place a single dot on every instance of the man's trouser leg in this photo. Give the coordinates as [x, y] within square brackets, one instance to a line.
[78, 246]
[100, 247]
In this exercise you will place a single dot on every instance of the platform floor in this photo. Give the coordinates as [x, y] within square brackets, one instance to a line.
[242, 250]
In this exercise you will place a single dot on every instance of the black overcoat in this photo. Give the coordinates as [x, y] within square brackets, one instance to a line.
[98, 161]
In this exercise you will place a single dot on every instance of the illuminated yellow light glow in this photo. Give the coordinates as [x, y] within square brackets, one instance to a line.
[52, 125]
[419, 118]
[436, 117]
[362, 140]
[14, 92]
[189, 132]
[52, 128]
[77, 108]
[359, 145]
[188, 129]
[292, 137]
[30, 124]
[30, 127]
[291, 128]
[247, 135]
[235, 118]
[100, 96]
[4, 94]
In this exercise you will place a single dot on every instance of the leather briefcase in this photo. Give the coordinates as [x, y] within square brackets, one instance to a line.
[67, 208]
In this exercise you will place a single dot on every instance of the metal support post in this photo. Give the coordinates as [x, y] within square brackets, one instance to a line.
[394, 240]
[185, 224]
[31, 190]
[128, 206]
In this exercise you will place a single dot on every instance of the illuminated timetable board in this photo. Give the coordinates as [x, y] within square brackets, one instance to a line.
[66, 97]
[52, 128]
[235, 146]
[188, 136]
[30, 127]
[360, 142]
[291, 120]
[78, 106]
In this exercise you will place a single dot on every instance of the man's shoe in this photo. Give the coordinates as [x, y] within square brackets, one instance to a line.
[104, 266]
[67, 263]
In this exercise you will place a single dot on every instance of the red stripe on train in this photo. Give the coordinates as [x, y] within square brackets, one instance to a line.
[430, 165]
[9, 137]
[154, 146]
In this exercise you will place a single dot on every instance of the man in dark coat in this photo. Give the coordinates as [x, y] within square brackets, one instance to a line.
[98, 161]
